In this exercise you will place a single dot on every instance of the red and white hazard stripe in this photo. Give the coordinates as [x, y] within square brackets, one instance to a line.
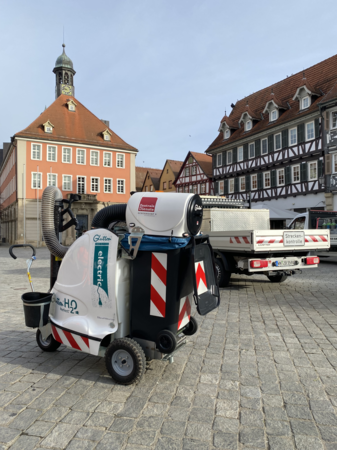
[316, 239]
[279, 240]
[200, 277]
[184, 311]
[71, 339]
[158, 284]
[239, 240]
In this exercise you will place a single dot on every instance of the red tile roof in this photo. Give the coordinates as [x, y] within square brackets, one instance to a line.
[204, 161]
[321, 78]
[331, 95]
[175, 166]
[140, 176]
[79, 127]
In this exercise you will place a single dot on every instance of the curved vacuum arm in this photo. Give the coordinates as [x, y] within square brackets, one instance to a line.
[51, 195]
[109, 214]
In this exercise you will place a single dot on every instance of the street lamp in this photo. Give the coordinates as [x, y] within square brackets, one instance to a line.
[321, 180]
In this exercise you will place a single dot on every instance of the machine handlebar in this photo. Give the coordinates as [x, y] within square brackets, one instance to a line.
[20, 245]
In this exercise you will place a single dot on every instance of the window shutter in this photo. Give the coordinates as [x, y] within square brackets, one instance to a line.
[258, 147]
[316, 128]
[304, 172]
[320, 167]
[224, 159]
[236, 184]
[273, 178]
[260, 180]
[284, 138]
[245, 151]
[288, 175]
[327, 121]
[216, 187]
[271, 143]
[247, 183]
[225, 188]
[235, 155]
[328, 164]
[300, 133]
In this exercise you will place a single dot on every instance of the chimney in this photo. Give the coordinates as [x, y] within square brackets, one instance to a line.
[107, 123]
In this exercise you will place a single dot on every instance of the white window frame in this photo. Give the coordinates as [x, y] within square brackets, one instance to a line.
[31, 154]
[71, 155]
[98, 184]
[91, 153]
[85, 184]
[278, 182]
[248, 125]
[309, 164]
[231, 185]
[299, 173]
[104, 155]
[230, 157]
[240, 150]
[194, 170]
[71, 183]
[121, 179]
[278, 134]
[219, 159]
[253, 144]
[221, 187]
[266, 141]
[302, 102]
[306, 131]
[48, 175]
[271, 115]
[334, 111]
[264, 180]
[107, 137]
[52, 160]
[39, 177]
[242, 178]
[48, 129]
[187, 171]
[190, 188]
[71, 107]
[227, 134]
[203, 188]
[292, 129]
[123, 156]
[195, 188]
[111, 185]
[254, 176]
[85, 156]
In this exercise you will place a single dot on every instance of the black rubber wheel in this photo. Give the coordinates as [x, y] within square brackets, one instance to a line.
[125, 361]
[279, 278]
[166, 341]
[223, 275]
[191, 328]
[47, 345]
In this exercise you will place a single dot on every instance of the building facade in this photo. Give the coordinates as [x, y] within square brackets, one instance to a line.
[169, 174]
[151, 181]
[270, 146]
[195, 175]
[69, 147]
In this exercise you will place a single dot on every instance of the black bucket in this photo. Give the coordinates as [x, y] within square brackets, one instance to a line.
[36, 308]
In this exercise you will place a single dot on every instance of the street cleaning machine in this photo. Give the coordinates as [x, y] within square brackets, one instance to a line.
[124, 289]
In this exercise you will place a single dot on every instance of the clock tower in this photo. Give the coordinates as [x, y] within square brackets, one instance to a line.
[64, 72]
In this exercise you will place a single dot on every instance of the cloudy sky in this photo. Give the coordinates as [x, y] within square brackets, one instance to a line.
[163, 72]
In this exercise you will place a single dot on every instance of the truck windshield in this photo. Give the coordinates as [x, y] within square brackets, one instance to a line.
[298, 224]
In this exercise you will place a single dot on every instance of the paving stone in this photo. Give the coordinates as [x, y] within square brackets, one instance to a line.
[308, 442]
[277, 428]
[142, 437]
[40, 428]
[252, 437]
[165, 443]
[226, 425]
[112, 441]
[298, 412]
[226, 441]
[328, 433]
[25, 443]
[81, 444]
[306, 428]
[90, 434]
[173, 428]
[122, 425]
[280, 443]
[7, 435]
[60, 436]
[198, 431]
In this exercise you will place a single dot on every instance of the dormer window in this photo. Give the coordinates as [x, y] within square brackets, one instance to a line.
[227, 134]
[107, 135]
[48, 127]
[305, 102]
[273, 115]
[248, 125]
[71, 105]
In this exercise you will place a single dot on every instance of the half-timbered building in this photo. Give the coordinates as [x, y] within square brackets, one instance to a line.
[195, 175]
[270, 145]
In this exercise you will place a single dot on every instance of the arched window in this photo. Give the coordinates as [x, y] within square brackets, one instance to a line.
[66, 78]
[60, 77]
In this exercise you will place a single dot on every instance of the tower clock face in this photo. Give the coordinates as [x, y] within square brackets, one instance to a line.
[66, 89]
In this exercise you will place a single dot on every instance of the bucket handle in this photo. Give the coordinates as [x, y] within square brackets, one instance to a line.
[20, 245]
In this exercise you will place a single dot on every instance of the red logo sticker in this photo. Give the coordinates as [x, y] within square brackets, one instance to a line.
[148, 204]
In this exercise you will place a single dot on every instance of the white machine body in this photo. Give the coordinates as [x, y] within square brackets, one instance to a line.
[164, 214]
[91, 294]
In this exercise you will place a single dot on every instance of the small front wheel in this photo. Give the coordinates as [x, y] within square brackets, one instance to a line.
[47, 345]
[166, 341]
[223, 275]
[191, 328]
[125, 361]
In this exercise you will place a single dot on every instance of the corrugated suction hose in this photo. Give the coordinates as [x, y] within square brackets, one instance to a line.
[51, 195]
[109, 214]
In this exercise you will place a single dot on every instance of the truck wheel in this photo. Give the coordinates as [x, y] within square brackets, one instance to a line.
[279, 278]
[125, 361]
[223, 275]
[191, 328]
[47, 345]
[166, 341]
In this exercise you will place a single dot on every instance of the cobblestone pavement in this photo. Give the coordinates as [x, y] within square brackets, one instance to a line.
[260, 373]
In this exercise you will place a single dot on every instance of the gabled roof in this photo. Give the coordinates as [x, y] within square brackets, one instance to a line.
[277, 102]
[322, 77]
[228, 121]
[331, 95]
[248, 111]
[175, 165]
[140, 176]
[80, 127]
[155, 177]
[204, 161]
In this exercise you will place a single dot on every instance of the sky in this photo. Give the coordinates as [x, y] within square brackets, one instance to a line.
[162, 72]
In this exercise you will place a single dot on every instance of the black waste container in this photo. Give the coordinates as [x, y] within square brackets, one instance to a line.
[36, 308]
